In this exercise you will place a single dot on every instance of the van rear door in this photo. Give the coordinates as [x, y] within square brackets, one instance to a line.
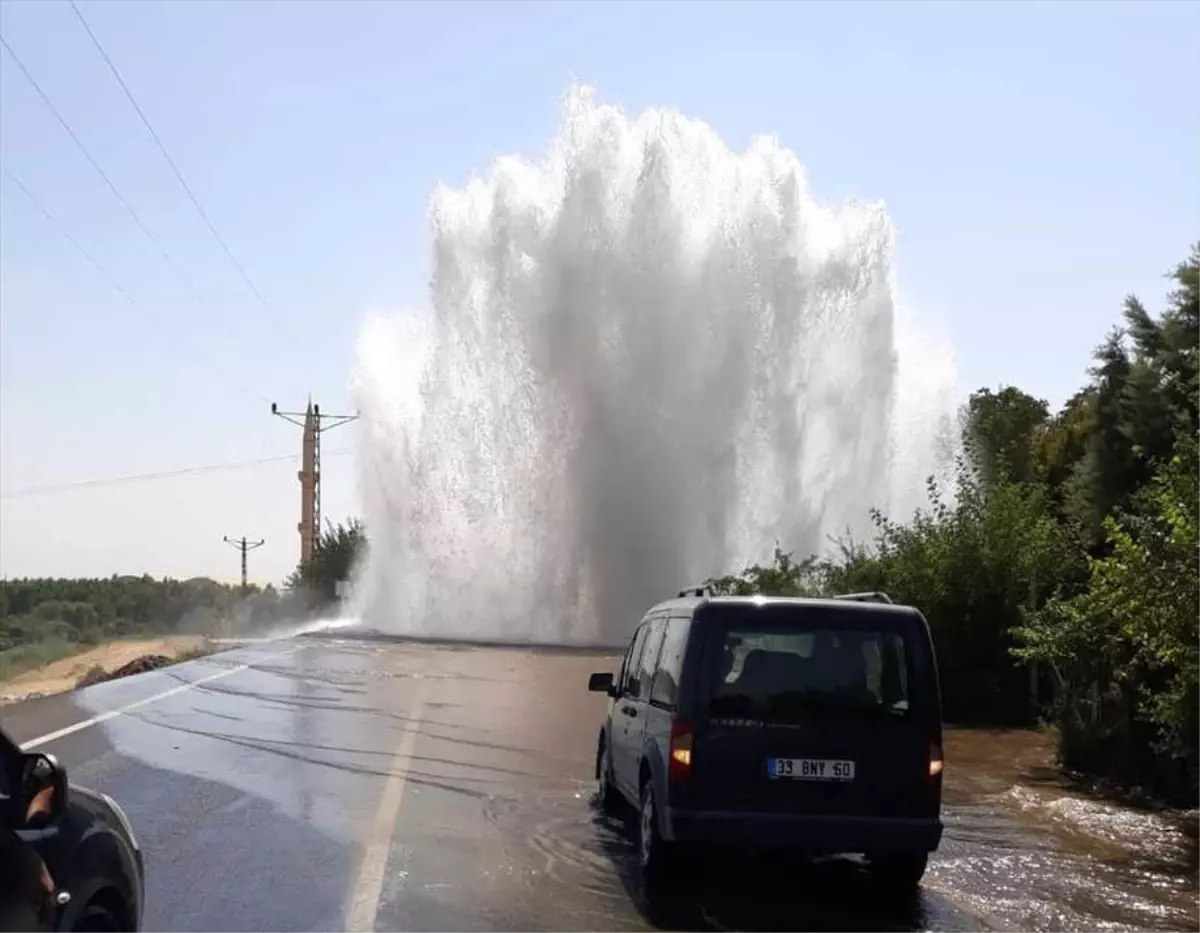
[816, 708]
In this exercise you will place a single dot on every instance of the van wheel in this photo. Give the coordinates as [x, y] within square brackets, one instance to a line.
[900, 871]
[606, 793]
[656, 857]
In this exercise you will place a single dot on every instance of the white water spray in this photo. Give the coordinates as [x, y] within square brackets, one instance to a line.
[646, 360]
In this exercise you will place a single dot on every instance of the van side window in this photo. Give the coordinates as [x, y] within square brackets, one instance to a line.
[632, 661]
[670, 661]
[650, 658]
[625, 659]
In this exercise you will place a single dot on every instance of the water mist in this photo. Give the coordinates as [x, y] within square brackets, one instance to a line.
[645, 360]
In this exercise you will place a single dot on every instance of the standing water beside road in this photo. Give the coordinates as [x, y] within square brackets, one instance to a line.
[1020, 851]
[1024, 853]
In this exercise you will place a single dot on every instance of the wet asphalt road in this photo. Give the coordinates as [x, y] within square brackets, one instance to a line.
[333, 783]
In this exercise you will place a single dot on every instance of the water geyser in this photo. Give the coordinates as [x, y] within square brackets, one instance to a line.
[645, 360]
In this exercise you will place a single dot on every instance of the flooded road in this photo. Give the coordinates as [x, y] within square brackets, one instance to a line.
[348, 783]
[1020, 852]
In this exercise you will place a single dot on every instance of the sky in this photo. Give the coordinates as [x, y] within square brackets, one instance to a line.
[1039, 161]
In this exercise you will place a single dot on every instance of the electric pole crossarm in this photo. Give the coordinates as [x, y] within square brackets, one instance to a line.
[294, 417]
[245, 546]
[336, 421]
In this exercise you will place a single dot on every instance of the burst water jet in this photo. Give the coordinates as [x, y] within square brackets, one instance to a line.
[646, 359]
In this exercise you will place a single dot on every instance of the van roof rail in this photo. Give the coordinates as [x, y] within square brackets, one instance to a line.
[699, 590]
[876, 596]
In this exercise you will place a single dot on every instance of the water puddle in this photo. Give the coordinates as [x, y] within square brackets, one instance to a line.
[1015, 856]
[1029, 854]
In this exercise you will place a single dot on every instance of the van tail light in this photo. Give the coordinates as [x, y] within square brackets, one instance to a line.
[936, 762]
[679, 766]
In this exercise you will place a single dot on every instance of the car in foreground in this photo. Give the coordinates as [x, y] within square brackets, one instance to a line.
[69, 859]
[805, 726]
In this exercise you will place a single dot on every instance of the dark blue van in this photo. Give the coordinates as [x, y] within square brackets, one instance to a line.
[812, 726]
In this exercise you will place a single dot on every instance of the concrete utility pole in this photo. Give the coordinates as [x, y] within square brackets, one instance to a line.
[314, 424]
[245, 547]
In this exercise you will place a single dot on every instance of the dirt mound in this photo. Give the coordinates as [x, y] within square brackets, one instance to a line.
[147, 662]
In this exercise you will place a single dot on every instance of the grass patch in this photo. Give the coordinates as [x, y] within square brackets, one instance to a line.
[23, 658]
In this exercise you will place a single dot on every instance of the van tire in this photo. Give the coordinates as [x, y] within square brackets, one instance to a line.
[899, 872]
[606, 792]
[656, 856]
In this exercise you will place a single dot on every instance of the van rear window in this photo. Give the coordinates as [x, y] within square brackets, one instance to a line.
[789, 675]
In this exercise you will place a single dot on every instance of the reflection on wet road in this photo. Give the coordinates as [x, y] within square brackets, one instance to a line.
[337, 781]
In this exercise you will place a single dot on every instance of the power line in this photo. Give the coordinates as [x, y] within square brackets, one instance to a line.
[100, 171]
[117, 286]
[187, 189]
[163, 474]
[54, 222]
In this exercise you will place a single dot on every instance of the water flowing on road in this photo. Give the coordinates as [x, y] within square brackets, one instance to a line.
[266, 769]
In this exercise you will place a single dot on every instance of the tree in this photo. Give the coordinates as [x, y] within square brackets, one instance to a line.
[1123, 643]
[1106, 474]
[973, 568]
[60, 613]
[335, 553]
[1180, 354]
[1062, 444]
[783, 577]
[1001, 434]
[1127, 650]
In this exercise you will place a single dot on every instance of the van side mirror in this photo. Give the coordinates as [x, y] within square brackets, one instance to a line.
[41, 798]
[601, 683]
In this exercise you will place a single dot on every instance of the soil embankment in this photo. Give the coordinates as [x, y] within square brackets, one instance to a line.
[104, 662]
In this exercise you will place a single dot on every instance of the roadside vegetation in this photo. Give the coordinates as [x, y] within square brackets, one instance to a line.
[46, 620]
[335, 553]
[33, 655]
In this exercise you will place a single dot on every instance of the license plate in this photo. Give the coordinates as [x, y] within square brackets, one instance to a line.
[810, 769]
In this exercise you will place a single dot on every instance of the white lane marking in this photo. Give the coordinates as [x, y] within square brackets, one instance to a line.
[112, 714]
[363, 904]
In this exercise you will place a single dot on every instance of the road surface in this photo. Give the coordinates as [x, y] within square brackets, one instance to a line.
[341, 783]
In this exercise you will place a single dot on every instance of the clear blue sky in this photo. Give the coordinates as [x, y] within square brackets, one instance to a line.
[1039, 161]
